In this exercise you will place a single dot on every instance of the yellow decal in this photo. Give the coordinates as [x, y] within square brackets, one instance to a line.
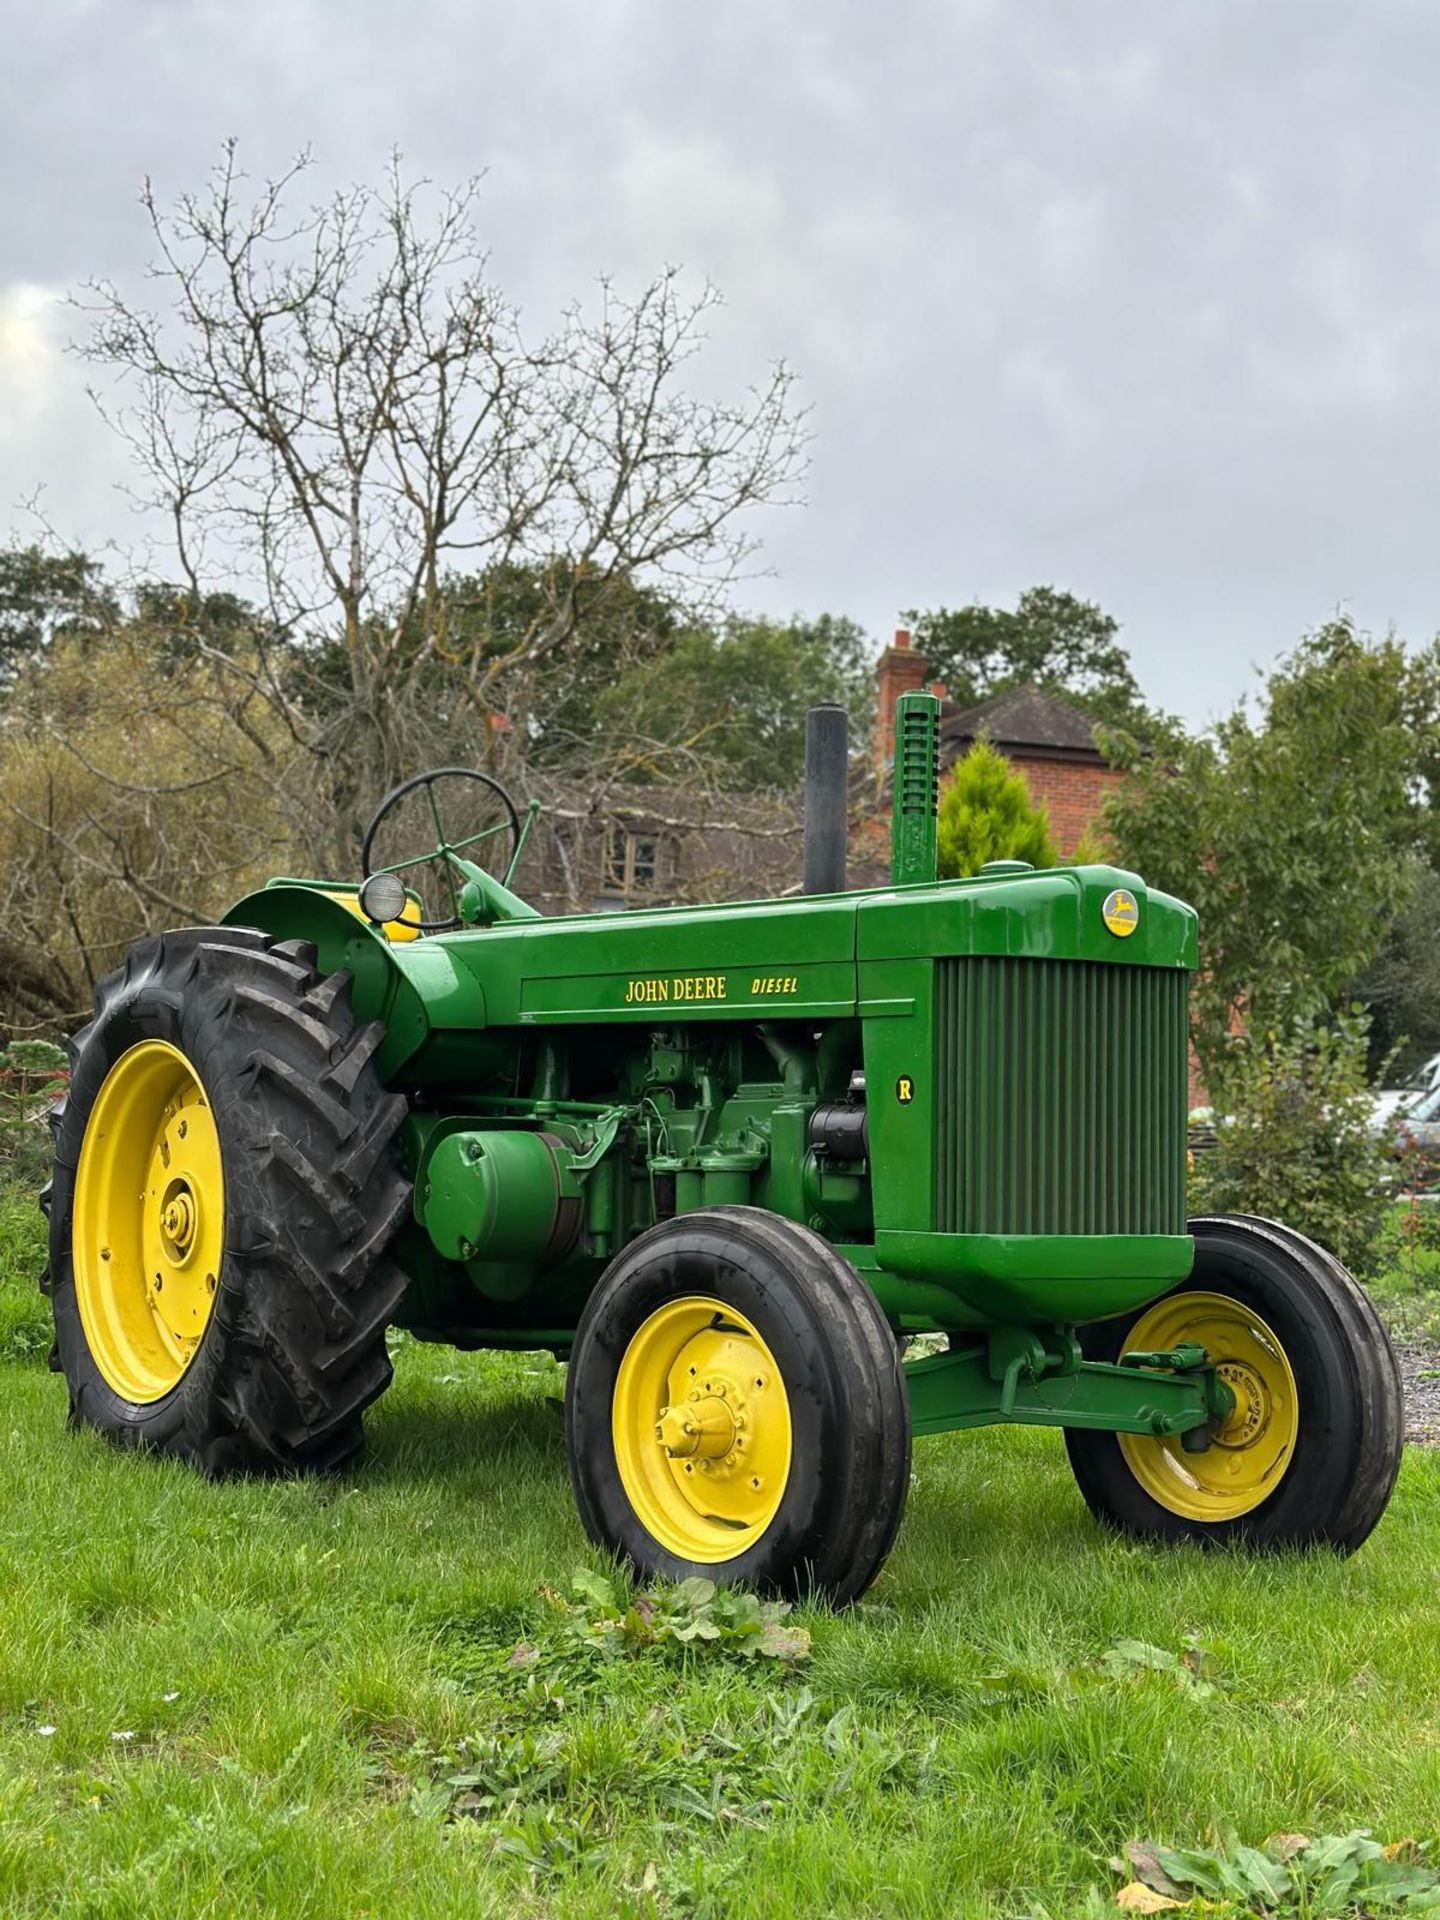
[904, 1089]
[772, 983]
[1121, 912]
[685, 986]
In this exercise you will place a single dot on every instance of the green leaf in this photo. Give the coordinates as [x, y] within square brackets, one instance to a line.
[1186, 1868]
[1128, 1654]
[782, 1642]
[694, 1592]
[1144, 1858]
[1270, 1879]
[595, 1589]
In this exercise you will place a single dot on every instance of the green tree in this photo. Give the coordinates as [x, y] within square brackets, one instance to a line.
[43, 594]
[732, 701]
[1296, 1143]
[643, 692]
[1289, 830]
[986, 813]
[1400, 989]
[469, 656]
[1052, 639]
[556, 701]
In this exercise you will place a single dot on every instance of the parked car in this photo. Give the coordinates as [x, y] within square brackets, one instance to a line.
[1393, 1102]
[1417, 1134]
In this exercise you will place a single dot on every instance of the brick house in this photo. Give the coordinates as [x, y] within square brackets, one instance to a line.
[1046, 737]
[645, 846]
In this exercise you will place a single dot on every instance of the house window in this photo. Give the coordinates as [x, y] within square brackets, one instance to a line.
[635, 861]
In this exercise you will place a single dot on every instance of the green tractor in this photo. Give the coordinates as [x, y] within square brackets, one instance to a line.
[726, 1161]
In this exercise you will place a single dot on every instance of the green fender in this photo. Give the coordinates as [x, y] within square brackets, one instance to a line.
[410, 986]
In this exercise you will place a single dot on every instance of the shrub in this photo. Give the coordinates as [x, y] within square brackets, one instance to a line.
[25, 1331]
[1090, 850]
[32, 1077]
[1295, 1143]
[986, 813]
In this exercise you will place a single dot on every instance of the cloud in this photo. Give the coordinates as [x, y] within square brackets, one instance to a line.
[1139, 299]
[28, 356]
[55, 455]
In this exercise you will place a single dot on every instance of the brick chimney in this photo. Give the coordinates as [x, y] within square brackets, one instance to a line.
[900, 670]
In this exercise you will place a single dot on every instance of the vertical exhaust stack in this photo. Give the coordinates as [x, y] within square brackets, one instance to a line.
[827, 796]
[916, 775]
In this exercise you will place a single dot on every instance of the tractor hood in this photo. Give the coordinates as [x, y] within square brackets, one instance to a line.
[811, 956]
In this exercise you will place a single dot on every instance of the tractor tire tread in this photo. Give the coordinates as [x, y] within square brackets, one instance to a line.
[295, 1350]
[1349, 1382]
[1379, 1399]
[851, 1479]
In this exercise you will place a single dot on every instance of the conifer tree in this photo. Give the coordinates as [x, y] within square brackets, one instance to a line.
[986, 813]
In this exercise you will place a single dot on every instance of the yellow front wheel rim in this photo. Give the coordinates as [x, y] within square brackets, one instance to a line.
[700, 1423]
[149, 1221]
[1249, 1454]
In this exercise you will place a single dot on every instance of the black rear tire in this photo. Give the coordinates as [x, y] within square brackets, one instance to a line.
[849, 1470]
[294, 1349]
[1350, 1429]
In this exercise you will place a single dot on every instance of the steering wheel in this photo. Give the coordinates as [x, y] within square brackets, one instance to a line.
[443, 856]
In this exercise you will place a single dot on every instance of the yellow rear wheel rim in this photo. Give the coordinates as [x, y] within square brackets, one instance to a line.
[700, 1423]
[149, 1221]
[1249, 1454]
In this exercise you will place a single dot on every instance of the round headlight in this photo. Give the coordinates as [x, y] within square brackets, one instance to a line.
[382, 898]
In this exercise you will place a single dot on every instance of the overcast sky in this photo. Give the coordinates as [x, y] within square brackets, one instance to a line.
[1135, 296]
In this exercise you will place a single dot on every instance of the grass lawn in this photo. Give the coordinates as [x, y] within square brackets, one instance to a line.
[253, 1699]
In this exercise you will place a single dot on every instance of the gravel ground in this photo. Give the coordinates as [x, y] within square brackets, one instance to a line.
[1422, 1395]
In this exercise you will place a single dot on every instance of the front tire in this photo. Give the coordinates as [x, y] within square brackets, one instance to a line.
[222, 1207]
[735, 1408]
[1310, 1454]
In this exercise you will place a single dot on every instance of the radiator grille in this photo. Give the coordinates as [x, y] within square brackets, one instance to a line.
[1061, 1097]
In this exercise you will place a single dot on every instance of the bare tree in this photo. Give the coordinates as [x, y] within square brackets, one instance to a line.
[338, 405]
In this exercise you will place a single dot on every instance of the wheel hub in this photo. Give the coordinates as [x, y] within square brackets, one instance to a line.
[177, 1221]
[1252, 1448]
[1250, 1416]
[702, 1425]
[701, 1428]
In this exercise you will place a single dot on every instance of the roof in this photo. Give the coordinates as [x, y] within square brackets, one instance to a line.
[1025, 720]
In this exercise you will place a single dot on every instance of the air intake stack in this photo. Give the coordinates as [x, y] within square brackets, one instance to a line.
[913, 851]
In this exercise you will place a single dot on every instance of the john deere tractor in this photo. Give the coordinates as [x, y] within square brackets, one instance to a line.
[725, 1160]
